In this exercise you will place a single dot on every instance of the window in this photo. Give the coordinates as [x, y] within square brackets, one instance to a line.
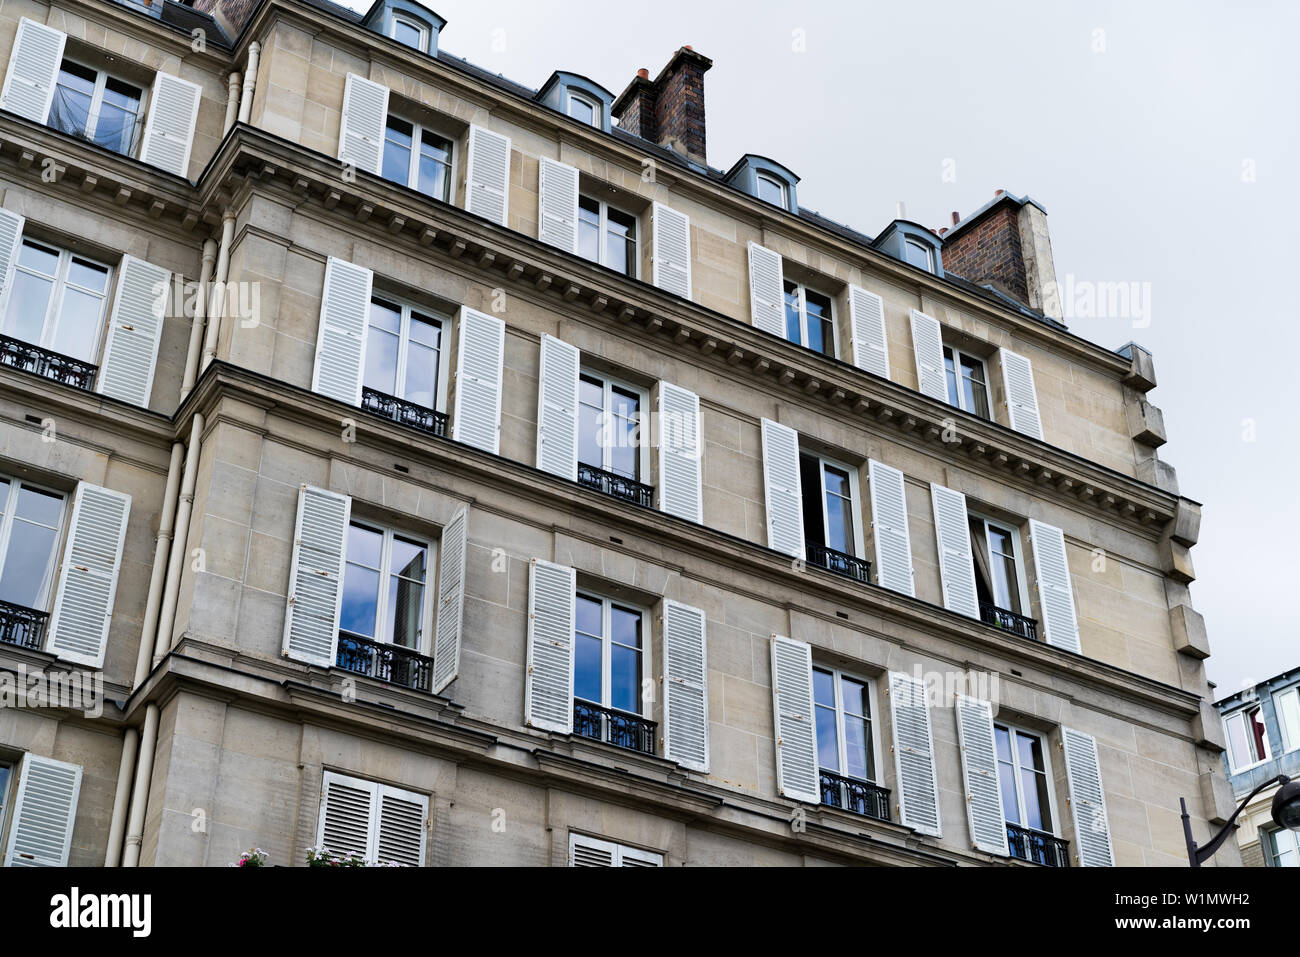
[1283, 848]
[29, 536]
[405, 357]
[1287, 705]
[1247, 737]
[845, 742]
[999, 575]
[95, 106]
[809, 319]
[919, 255]
[58, 300]
[1024, 773]
[967, 382]
[385, 588]
[830, 515]
[592, 852]
[607, 235]
[607, 654]
[375, 822]
[426, 167]
[411, 33]
[583, 108]
[609, 420]
[771, 190]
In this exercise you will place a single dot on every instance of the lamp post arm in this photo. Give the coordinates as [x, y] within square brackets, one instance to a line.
[1198, 854]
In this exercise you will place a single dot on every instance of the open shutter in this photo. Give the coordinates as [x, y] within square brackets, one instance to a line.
[341, 339]
[867, 324]
[797, 775]
[782, 491]
[169, 131]
[480, 358]
[1022, 397]
[33, 70]
[1055, 595]
[11, 240]
[487, 175]
[979, 770]
[399, 830]
[92, 559]
[451, 599]
[1087, 799]
[134, 331]
[686, 694]
[557, 408]
[766, 290]
[548, 684]
[44, 812]
[557, 205]
[889, 528]
[365, 117]
[918, 784]
[956, 563]
[671, 250]
[927, 342]
[346, 815]
[311, 620]
[680, 463]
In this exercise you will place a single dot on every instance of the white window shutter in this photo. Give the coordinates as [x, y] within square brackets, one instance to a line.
[487, 175]
[451, 599]
[587, 851]
[169, 131]
[766, 290]
[400, 826]
[557, 408]
[311, 619]
[671, 250]
[557, 205]
[1055, 594]
[781, 488]
[365, 117]
[33, 70]
[927, 342]
[548, 683]
[480, 360]
[341, 339]
[346, 815]
[686, 693]
[92, 561]
[45, 810]
[867, 325]
[893, 542]
[134, 332]
[797, 774]
[11, 241]
[1087, 799]
[680, 453]
[979, 769]
[918, 783]
[956, 564]
[1022, 397]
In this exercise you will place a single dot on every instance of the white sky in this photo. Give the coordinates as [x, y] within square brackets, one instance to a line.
[1139, 151]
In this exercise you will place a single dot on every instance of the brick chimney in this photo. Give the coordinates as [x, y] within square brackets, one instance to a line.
[668, 110]
[231, 15]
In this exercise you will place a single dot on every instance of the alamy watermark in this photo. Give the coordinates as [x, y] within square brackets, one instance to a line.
[75, 690]
[1128, 300]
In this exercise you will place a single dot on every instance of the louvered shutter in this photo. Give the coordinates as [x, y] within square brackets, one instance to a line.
[451, 599]
[956, 563]
[557, 408]
[927, 342]
[1022, 397]
[591, 852]
[766, 290]
[867, 324]
[33, 70]
[346, 815]
[797, 774]
[557, 205]
[134, 332]
[893, 542]
[781, 488]
[979, 769]
[635, 857]
[1087, 799]
[400, 826]
[548, 685]
[480, 358]
[11, 240]
[92, 560]
[361, 130]
[680, 463]
[487, 175]
[686, 695]
[45, 810]
[169, 131]
[1055, 594]
[341, 339]
[671, 250]
[311, 620]
[918, 785]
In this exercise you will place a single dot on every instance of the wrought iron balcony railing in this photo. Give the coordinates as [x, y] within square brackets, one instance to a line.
[1038, 847]
[390, 663]
[50, 365]
[618, 728]
[616, 485]
[839, 562]
[22, 626]
[991, 614]
[404, 413]
[860, 797]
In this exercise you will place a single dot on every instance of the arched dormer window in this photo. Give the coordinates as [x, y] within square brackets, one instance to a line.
[913, 244]
[579, 98]
[765, 179]
[409, 23]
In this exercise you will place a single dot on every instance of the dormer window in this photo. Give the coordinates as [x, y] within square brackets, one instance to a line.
[583, 108]
[409, 31]
[771, 190]
[765, 179]
[577, 97]
[919, 255]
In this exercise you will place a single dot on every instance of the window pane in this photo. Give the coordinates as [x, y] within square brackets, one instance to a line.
[115, 127]
[582, 110]
[70, 109]
[410, 559]
[365, 546]
[626, 626]
[854, 695]
[1288, 716]
[591, 398]
[828, 748]
[620, 242]
[821, 335]
[435, 166]
[976, 396]
[422, 359]
[814, 523]
[625, 679]
[917, 254]
[408, 34]
[586, 668]
[1007, 781]
[771, 191]
[589, 229]
[793, 317]
[1238, 744]
[88, 275]
[381, 347]
[1037, 813]
[823, 687]
[28, 303]
[397, 152]
[38, 258]
[360, 600]
[589, 616]
[1258, 736]
[27, 563]
[76, 331]
[405, 612]
[950, 370]
[1030, 751]
[839, 524]
[35, 505]
[1004, 743]
[857, 747]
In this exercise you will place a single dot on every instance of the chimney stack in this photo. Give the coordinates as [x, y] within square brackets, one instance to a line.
[668, 110]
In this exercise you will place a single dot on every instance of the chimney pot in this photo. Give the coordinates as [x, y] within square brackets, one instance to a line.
[668, 110]
[643, 73]
[956, 217]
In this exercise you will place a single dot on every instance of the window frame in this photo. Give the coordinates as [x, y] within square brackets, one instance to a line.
[602, 231]
[1048, 777]
[855, 500]
[958, 354]
[909, 243]
[418, 130]
[607, 651]
[607, 410]
[54, 308]
[803, 289]
[8, 790]
[877, 760]
[1242, 712]
[406, 307]
[1271, 850]
[102, 77]
[1292, 692]
[597, 108]
[6, 531]
[427, 613]
[761, 177]
[422, 28]
[1017, 546]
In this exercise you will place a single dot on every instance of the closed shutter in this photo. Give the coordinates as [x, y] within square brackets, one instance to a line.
[867, 324]
[918, 785]
[671, 250]
[979, 769]
[487, 175]
[400, 826]
[680, 463]
[169, 132]
[1022, 397]
[956, 563]
[587, 851]
[766, 290]
[1055, 594]
[451, 599]
[361, 130]
[1087, 799]
[557, 205]
[781, 488]
[480, 358]
[33, 70]
[346, 813]
[927, 341]
[11, 240]
[45, 810]
[311, 619]
[134, 331]
[92, 560]
[557, 408]
[797, 774]
[686, 694]
[548, 684]
[341, 340]
[889, 528]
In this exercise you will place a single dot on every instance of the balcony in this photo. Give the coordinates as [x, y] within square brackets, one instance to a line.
[47, 364]
[857, 797]
[404, 413]
[991, 614]
[22, 626]
[391, 664]
[618, 728]
[616, 485]
[840, 563]
[1037, 847]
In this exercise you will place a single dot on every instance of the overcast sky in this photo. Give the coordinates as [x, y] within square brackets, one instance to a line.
[1161, 137]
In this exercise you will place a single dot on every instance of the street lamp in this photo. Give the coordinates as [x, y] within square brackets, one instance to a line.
[1286, 814]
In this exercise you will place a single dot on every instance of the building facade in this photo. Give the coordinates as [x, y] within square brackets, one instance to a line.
[445, 471]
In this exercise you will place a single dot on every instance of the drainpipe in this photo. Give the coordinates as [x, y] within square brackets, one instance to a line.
[144, 662]
[140, 790]
[196, 325]
[232, 103]
[218, 306]
[130, 739]
[250, 79]
[171, 590]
